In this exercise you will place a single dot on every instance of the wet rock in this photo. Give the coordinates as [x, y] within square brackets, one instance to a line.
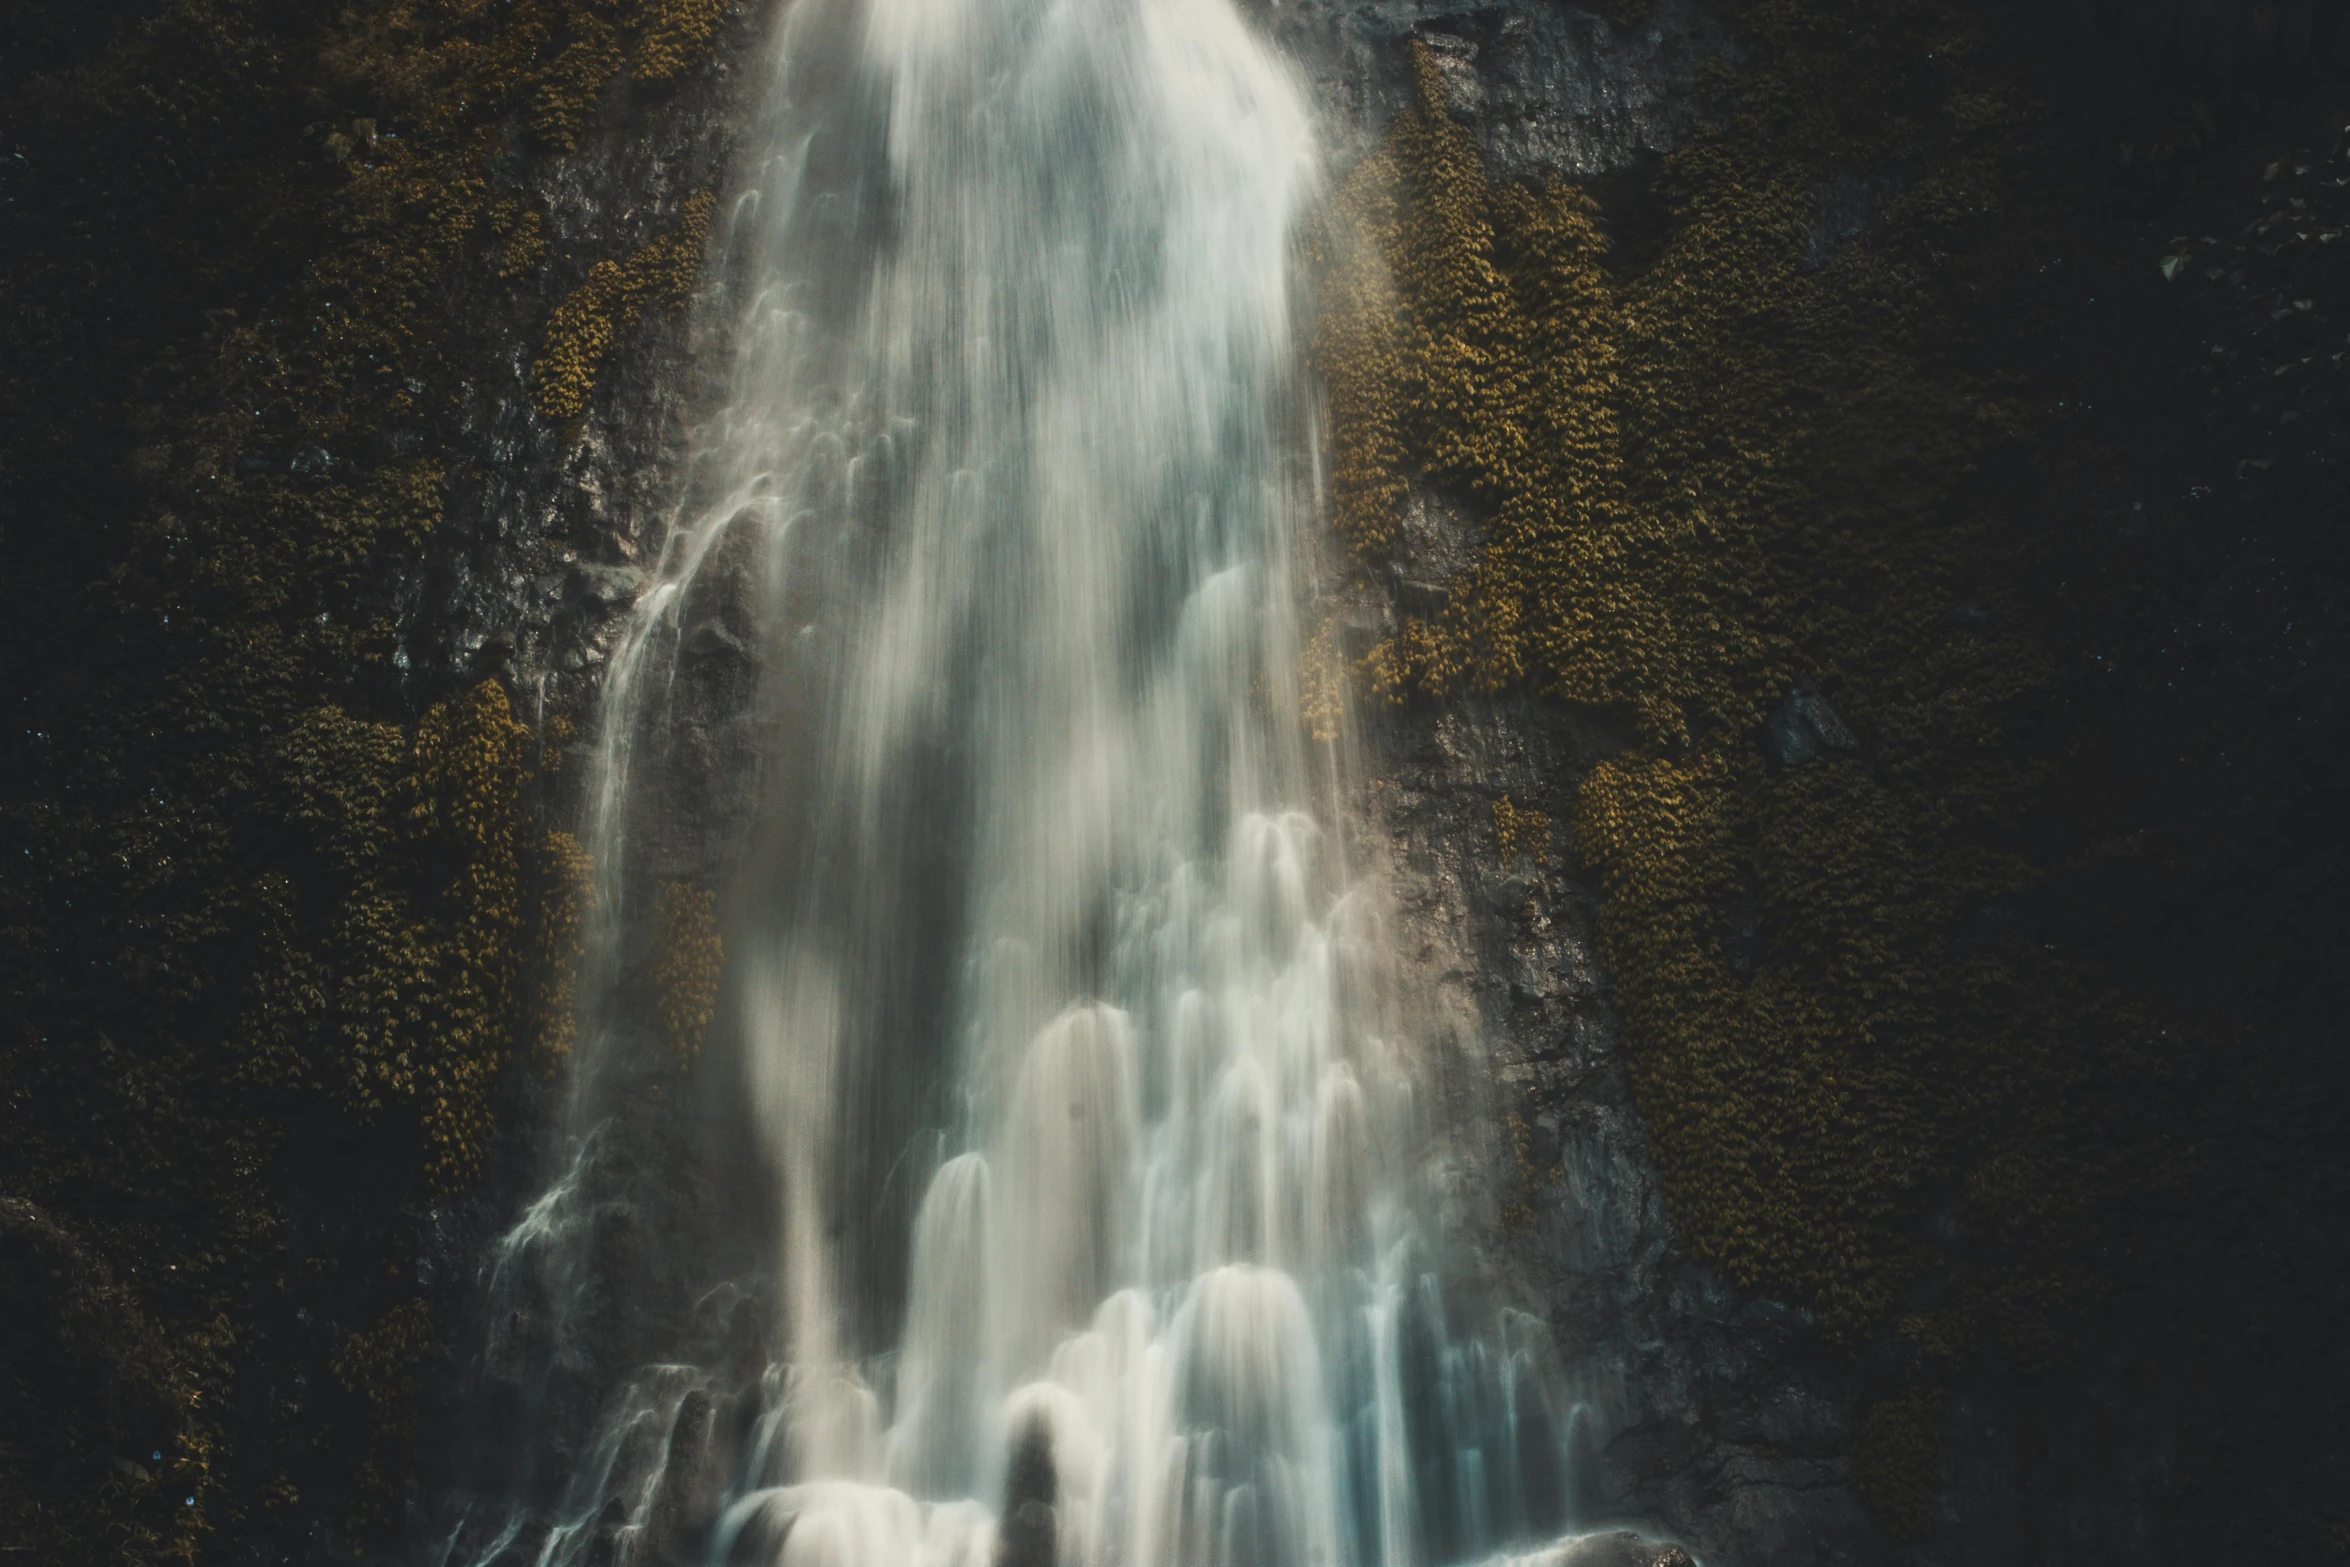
[608, 1545]
[524, 1550]
[1455, 59]
[1847, 203]
[1547, 88]
[494, 657]
[687, 1498]
[761, 1540]
[1803, 728]
[602, 590]
[1436, 542]
[1028, 1535]
[1613, 1548]
[528, 497]
[1720, 1417]
[714, 642]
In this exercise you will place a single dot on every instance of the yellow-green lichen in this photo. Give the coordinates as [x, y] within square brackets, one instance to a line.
[1474, 343]
[592, 317]
[258, 924]
[1634, 445]
[423, 966]
[1322, 683]
[413, 202]
[675, 34]
[521, 233]
[569, 87]
[1897, 1461]
[378, 1367]
[1519, 829]
[566, 874]
[689, 955]
[1699, 478]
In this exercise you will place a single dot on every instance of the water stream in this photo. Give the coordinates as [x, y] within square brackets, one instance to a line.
[1065, 1026]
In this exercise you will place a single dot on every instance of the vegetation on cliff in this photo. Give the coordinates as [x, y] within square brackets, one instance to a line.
[689, 953]
[1994, 1023]
[1804, 498]
[263, 901]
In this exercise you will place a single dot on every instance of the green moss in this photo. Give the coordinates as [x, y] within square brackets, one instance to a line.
[417, 834]
[1477, 345]
[570, 86]
[468, 766]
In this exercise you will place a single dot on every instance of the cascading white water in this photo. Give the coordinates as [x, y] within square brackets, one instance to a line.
[1036, 905]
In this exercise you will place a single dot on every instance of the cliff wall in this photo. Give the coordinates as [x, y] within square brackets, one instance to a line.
[1887, 1030]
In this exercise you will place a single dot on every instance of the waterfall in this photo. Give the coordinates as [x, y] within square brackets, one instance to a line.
[1037, 908]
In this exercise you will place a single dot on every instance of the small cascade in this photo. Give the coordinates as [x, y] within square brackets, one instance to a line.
[1095, 1146]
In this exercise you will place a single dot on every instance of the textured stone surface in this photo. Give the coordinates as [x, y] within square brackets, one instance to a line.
[548, 525]
[1708, 1418]
[1548, 87]
[548, 540]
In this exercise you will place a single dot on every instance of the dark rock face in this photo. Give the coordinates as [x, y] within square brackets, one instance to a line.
[1803, 726]
[1706, 1416]
[1031, 1487]
[548, 526]
[1436, 541]
[1615, 1548]
[548, 541]
[77, 1352]
[1549, 88]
